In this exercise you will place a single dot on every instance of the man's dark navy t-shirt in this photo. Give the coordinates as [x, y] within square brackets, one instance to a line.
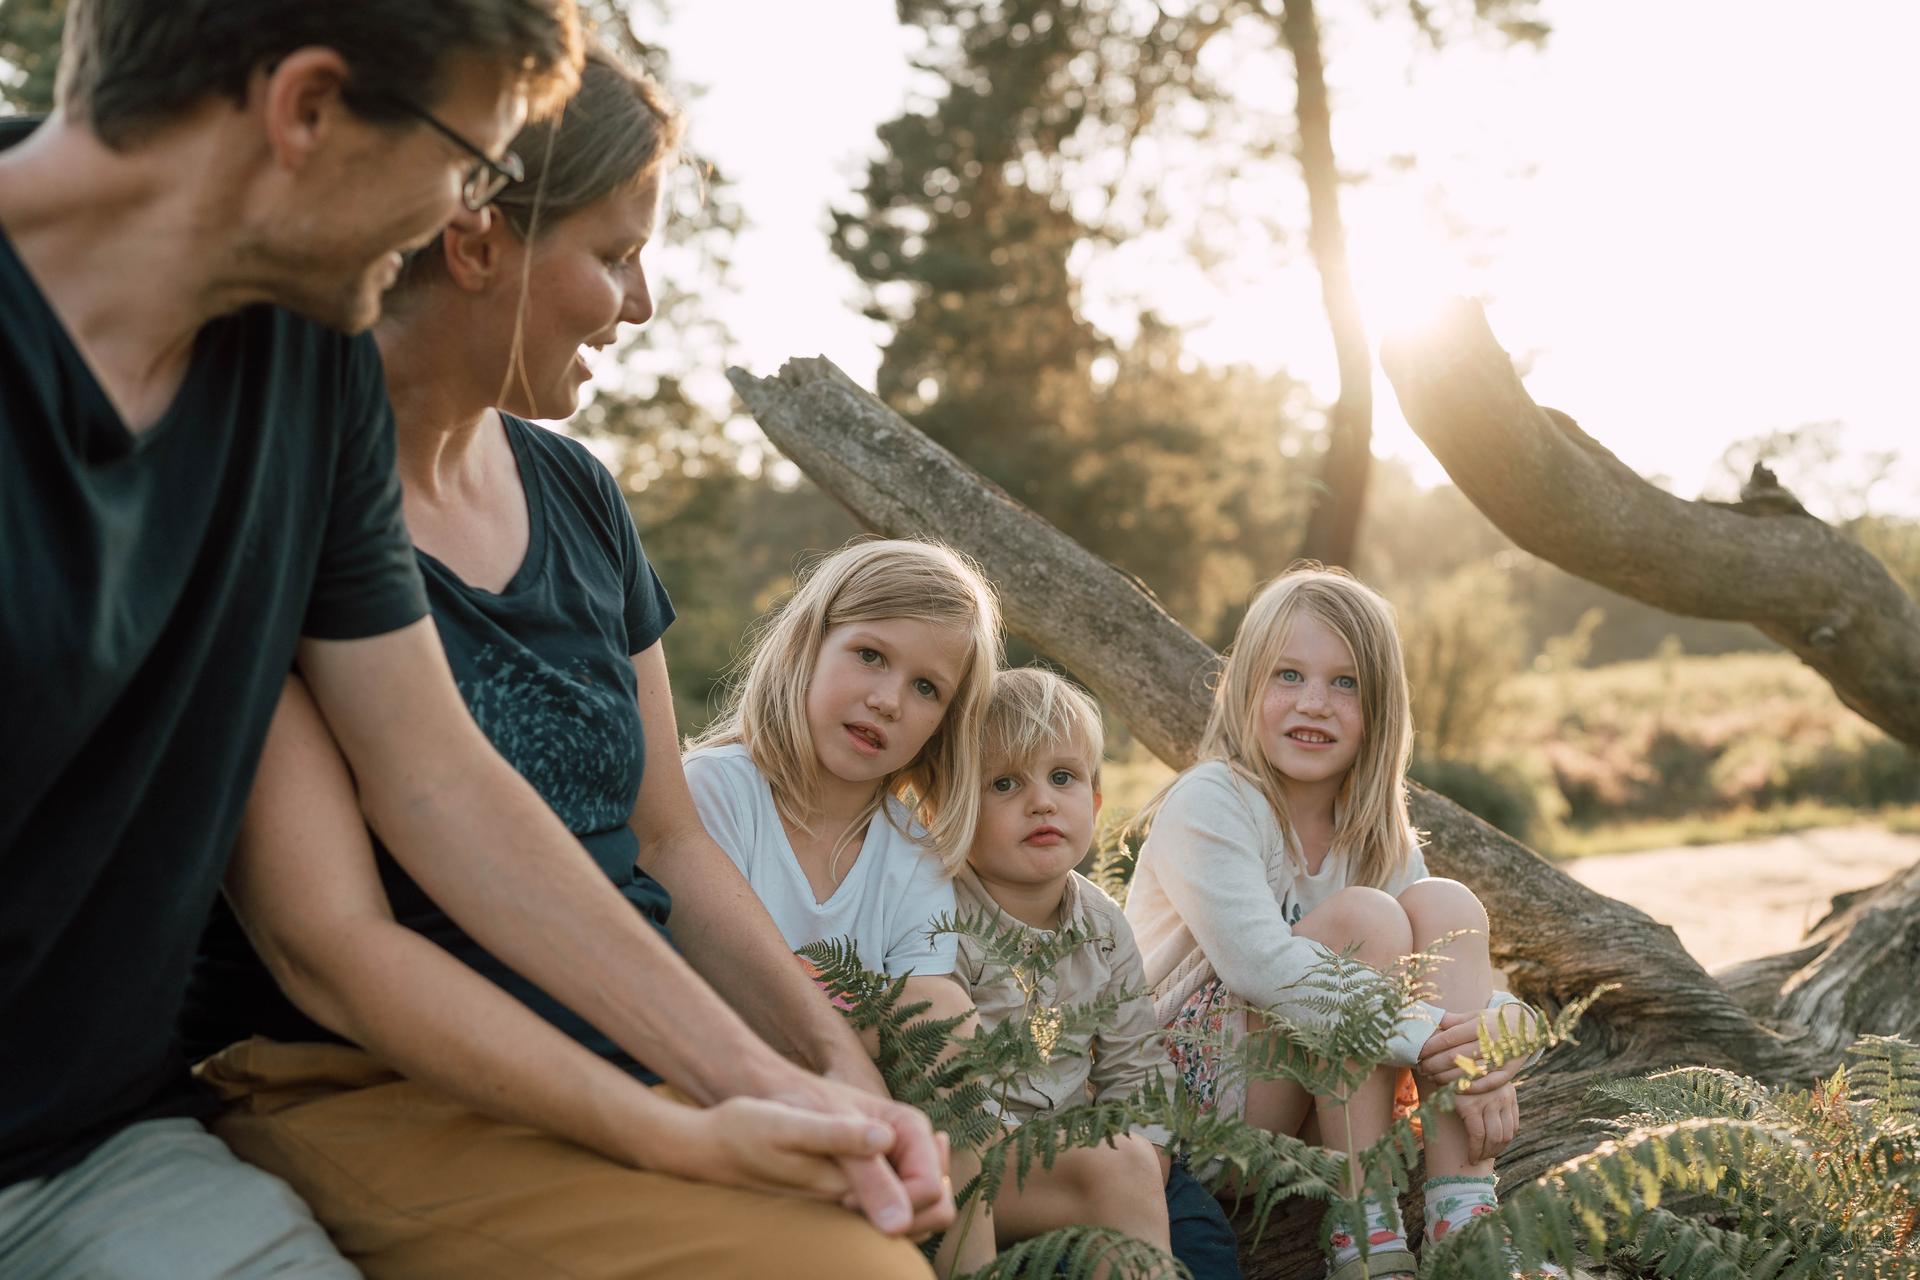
[544, 665]
[153, 588]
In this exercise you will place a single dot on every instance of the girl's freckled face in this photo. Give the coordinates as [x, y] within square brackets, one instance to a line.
[1310, 721]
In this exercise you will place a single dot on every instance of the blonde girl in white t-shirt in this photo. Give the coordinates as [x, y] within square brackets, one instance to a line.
[843, 778]
[1290, 841]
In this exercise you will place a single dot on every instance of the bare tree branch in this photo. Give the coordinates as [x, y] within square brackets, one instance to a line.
[1559, 494]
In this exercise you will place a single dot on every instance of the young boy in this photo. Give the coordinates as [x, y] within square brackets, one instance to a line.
[1043, 744]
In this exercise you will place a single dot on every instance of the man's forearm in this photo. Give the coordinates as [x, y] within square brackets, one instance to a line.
[484, 845]
[725, 933]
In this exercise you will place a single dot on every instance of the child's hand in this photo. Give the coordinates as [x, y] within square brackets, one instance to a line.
[1459, 1037]
[1491, 1120]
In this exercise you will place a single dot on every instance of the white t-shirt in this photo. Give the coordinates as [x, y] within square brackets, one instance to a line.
[892, 894]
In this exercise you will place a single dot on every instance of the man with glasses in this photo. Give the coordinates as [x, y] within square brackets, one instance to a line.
[196, 476]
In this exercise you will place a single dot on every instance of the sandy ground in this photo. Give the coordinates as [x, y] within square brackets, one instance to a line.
[1734, 902]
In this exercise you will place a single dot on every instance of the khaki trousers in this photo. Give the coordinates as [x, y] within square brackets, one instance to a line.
[413, 1185]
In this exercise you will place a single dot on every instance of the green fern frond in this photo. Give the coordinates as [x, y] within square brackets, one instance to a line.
[1885, 1071]
[1685, 1093]
[1224, 1150]
[1112, 869]
[1010, 944]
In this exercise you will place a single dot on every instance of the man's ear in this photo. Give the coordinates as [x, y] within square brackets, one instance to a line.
[300, 103]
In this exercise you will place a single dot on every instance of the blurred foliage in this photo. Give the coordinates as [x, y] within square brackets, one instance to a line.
[29, 53]
[965, 236]
[1464, 634]
[1497, 795]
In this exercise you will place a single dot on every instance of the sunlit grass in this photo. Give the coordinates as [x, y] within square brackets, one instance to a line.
[1661, 753]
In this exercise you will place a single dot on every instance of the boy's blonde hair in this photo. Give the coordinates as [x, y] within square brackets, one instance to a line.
[1034, 711]
[1372, 826]
[868, 581]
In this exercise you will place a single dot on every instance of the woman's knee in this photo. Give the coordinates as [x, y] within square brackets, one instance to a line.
[1372, 919]
[1437, 906]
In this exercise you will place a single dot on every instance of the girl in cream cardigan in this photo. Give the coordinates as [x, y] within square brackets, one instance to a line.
[1290, 842]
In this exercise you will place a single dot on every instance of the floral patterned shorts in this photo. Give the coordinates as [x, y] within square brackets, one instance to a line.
[1212, 1011]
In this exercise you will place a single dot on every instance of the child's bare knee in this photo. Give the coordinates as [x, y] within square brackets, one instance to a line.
[1436, 906]
[1374, 920]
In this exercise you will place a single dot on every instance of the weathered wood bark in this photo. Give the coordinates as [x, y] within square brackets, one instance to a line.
[1333, 518]
[1556, 938]
[1559, 494]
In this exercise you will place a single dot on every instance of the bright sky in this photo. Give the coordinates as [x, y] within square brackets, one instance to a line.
[1698, 220]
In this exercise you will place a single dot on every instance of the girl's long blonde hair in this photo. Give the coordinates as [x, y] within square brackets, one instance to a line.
[868, 581]
[1372, 828]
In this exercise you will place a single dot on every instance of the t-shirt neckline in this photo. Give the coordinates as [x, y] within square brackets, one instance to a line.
[108, 438]
[532, 561]
[792, 859]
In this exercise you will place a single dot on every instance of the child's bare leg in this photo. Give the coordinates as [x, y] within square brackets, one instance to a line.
[1463, 984]
[969, 1243]
[1378, 926]
[1118, 1186]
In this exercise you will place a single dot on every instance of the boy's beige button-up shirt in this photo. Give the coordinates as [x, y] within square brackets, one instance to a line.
[1113, 1063]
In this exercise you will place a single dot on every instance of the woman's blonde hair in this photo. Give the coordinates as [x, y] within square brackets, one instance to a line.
[1035, 712]
[1372, 828]
[867, 581]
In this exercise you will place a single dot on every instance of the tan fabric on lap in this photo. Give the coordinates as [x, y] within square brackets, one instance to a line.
[411, 1184]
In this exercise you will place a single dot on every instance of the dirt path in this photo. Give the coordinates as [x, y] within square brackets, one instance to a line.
[1733, 902]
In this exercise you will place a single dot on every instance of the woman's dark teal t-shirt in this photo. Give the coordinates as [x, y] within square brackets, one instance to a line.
[544, 665]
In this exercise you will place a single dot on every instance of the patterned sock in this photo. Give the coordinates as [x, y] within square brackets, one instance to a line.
[1452, 1202]
[1384, 1231]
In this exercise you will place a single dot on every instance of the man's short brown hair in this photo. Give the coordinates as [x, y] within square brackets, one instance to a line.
[129, 65]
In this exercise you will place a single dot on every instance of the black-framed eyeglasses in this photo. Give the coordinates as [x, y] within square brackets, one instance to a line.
[488, 177]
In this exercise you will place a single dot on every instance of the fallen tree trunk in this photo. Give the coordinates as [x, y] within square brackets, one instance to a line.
[1559, 494]
[1556, 938]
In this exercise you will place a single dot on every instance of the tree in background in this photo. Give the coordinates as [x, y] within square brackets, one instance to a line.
[1340, 497]
[29, 53]
[1062, 129]
[966, 238]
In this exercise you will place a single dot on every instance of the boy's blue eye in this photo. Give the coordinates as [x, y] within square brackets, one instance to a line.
[1062, 778]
